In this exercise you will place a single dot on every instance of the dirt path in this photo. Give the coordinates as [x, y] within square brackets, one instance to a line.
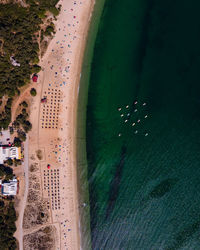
[22, 205]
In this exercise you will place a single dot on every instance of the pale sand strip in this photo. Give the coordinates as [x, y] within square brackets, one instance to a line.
[54, 123]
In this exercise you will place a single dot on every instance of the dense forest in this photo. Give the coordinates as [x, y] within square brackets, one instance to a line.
[22, 29]
[7, 225]
[7, 214]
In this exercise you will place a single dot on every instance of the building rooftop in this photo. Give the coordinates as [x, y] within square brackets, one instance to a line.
[9, 188]
[7, 152]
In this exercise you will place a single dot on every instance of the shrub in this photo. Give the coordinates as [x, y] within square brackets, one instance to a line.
[49, 30]
[27, 126]
[11, 130]
[21, 134]
[33, 92]
[24, 104]
[17, 162]
[17, 142]
[9, 162]
[16, 124]
[18, 92]
[54, 11]
[36, 68]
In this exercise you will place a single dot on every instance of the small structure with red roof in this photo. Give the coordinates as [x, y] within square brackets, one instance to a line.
[44, 99]
[35, 78]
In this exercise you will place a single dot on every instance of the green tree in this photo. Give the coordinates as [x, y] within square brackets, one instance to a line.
[24, 104]
[27, 126]
[2, 171]
[49, 30]
[1, 204]
[24, 112]
[54, 11]
[36, 68]
[11, 130]
[9, 173]
[17, 142]
[17, 162]
[21, 134]
[9, 162]
[33, 92]
[16, 124]
[18, 92]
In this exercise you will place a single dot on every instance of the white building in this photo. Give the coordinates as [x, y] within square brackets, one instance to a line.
[7, 152]
[9, 188]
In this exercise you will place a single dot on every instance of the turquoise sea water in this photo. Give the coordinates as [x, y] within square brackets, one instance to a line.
[84, 211]
[145, 190]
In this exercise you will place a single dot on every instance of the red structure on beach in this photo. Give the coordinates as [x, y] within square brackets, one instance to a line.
[44, 100]
[35, 78]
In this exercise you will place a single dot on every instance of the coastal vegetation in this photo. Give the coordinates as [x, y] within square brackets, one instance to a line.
[22, 125]
[20, 31]
[5, 115]
[49, 30]
[46, 236]
[7, 213]
[6, 173]
[33, 92]
[7, 225]
[24, 104]
[25, 29]
[39, 154]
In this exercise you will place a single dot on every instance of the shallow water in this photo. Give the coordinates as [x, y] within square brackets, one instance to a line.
[145, 190]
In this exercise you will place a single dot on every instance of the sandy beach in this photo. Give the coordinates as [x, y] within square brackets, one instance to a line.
[52, 141]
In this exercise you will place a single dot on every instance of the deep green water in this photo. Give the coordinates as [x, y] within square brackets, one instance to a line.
[145, 190]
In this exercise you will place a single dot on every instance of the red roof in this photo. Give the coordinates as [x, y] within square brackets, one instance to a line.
[43, 100]
[34, 78]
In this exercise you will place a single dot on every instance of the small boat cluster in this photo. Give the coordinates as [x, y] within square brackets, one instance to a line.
[134, 115]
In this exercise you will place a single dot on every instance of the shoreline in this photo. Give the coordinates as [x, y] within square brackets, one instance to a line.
[83, 189]
[63, 206]
[75, 113]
